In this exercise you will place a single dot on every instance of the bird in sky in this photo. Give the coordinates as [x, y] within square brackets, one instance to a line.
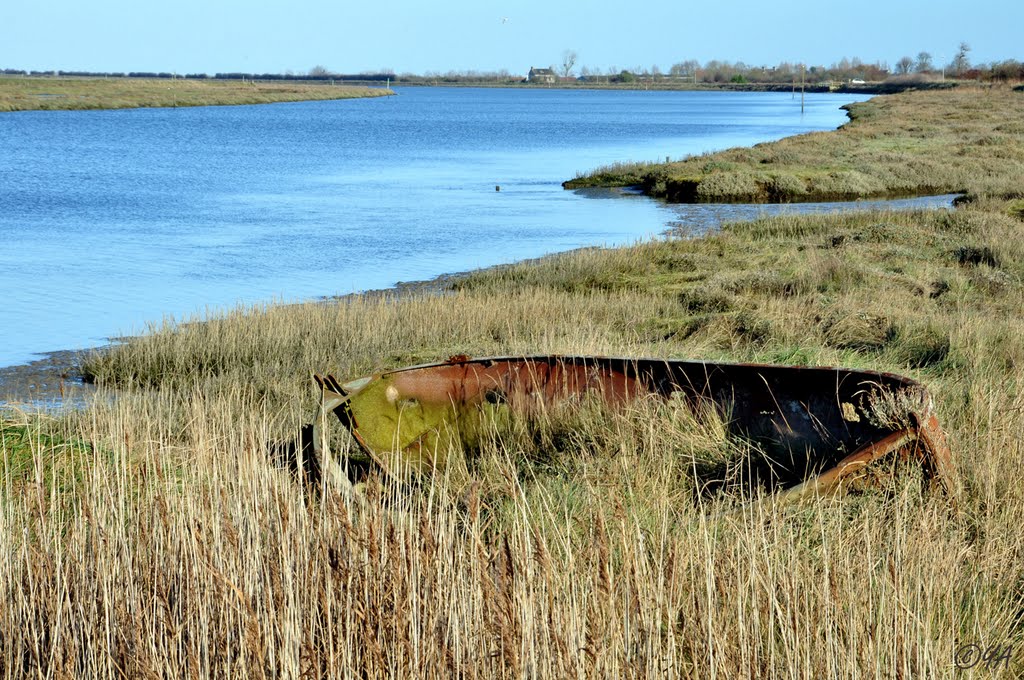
[504, 20]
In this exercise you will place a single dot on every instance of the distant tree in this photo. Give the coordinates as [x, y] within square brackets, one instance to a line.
[924, 62]
[319, 72]
[877, 71]
[569, 58]
[904, 65]
[685, 68]
[1010, 69]
[716, 71]
[960, 63]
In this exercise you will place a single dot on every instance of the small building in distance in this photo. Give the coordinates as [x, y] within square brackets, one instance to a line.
[545, 76]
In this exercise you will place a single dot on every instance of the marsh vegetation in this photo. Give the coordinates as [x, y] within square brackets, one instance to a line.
[152, 534]
[52, 93]
[916, 143]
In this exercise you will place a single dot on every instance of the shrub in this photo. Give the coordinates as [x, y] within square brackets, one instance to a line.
[1016, 209]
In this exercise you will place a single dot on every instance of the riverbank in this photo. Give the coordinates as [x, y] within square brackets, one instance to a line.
[57, 378]
[54, 93]
[49, 93]
[674, 85]
[582, 549]
[913, 143]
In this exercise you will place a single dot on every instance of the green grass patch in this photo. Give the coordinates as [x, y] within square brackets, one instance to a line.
[42, 457]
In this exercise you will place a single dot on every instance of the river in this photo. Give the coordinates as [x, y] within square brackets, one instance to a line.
[110, 220]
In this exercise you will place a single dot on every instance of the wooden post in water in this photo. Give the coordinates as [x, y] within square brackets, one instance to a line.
[801, 88]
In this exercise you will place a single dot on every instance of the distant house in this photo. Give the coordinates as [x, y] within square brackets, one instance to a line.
[542, 75]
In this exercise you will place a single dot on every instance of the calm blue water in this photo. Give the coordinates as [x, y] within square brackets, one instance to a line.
[112, 219]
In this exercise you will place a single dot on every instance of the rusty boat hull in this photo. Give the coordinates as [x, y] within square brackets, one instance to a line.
[823, 426]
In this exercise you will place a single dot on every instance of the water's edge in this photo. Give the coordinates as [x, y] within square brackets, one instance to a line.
[56, 379]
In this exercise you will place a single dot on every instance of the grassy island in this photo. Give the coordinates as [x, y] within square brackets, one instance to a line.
[151, 533]
[55, 93]
[914, 143]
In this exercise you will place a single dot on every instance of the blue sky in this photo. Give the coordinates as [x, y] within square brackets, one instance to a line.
[212, 36]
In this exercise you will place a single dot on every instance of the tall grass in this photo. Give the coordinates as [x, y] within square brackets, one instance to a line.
[187, 554]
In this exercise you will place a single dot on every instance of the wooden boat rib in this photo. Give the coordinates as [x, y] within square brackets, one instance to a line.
[826, 424]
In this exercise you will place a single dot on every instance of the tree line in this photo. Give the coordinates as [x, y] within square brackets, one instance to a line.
[924, 65]
[845, 70]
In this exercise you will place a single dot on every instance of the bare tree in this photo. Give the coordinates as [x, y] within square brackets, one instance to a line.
[924, 62]
[685, 69]
[569, 58]
[319, 71]
[960, 61]
[904, 65]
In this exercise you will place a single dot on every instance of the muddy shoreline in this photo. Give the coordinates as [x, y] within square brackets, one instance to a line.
[47, 382]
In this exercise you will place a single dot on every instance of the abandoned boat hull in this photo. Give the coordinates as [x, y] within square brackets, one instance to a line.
[820, 424]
